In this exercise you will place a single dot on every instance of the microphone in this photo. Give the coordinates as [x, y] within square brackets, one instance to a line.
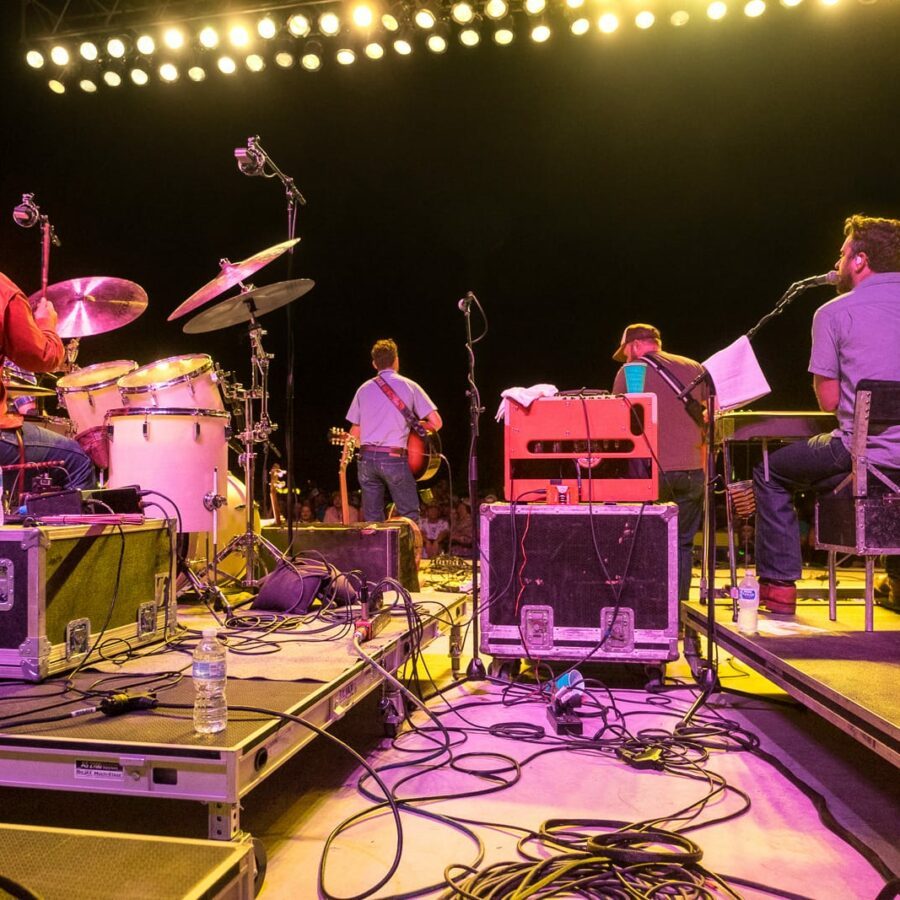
[250, 159]
[27, 214]
[818, 280]
[466, 301]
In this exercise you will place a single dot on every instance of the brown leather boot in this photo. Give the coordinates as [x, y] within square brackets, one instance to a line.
[892, 600]
[778, 599]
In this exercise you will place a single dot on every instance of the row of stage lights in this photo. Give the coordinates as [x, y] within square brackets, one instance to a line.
[305, 40]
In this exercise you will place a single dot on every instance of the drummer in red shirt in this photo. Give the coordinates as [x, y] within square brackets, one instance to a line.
[29, 339]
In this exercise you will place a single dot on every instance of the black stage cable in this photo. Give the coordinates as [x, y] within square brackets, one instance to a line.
[17, 890]
[373, 773]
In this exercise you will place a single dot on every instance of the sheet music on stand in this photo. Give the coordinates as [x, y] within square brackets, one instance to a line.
[736, 373]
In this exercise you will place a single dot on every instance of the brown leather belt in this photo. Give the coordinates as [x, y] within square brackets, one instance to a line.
[391, 451]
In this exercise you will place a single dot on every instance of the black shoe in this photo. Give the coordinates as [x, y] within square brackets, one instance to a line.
[892, 600]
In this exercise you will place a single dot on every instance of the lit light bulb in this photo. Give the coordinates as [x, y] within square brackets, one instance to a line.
[173, 38]
[209, 37]
[145, 44]
[608, 23]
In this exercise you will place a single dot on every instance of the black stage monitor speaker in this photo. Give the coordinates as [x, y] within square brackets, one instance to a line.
[572, 581]
[379, 550]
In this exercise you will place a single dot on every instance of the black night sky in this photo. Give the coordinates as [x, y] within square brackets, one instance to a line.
[680, 176]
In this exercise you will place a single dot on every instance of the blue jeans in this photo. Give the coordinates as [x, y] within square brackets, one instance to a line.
[795, 467]
[378, 471]
[685, 489]
[42, 444]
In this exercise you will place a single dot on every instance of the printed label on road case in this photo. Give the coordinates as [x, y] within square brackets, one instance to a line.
[98, 771]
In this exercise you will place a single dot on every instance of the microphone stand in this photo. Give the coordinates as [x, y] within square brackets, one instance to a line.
[475, 670]
[294, 198]
[707, 678]
[48, 238]
[794, 291]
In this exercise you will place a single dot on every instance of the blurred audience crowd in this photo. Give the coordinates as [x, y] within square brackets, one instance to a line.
[446, 519]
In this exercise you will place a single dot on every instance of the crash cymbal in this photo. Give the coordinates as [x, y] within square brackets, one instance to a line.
[257, 303]
[231, 275]
[94, 305]
[15, 387]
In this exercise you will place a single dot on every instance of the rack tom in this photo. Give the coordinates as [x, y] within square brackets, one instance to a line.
[179, 382]
[89, 394]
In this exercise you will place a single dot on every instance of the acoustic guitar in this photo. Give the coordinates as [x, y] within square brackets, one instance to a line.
[276, 487]
[348, 445]
[423, 455]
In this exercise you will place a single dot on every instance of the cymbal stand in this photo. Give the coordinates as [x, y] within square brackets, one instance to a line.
[71, 348]
[256, 430]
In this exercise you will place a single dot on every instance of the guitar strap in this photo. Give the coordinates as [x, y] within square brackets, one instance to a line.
[414, 424]
[694, 408]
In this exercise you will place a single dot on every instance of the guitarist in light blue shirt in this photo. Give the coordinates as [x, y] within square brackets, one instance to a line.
[384, 412]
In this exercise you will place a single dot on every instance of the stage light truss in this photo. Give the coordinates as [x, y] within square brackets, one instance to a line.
[95, 44]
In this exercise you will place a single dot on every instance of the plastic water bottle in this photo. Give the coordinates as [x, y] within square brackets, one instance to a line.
[208, 673]
[748, 604]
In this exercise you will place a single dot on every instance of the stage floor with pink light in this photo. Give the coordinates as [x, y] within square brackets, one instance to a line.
[780, 842]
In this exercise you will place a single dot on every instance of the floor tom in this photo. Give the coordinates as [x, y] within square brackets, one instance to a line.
[181, 453]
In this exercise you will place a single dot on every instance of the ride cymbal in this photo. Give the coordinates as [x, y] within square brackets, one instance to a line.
[250, 304]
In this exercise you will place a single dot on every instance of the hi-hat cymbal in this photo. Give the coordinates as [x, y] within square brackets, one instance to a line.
[94, 305]
[231, 275]
[242, 307]
[17, 388]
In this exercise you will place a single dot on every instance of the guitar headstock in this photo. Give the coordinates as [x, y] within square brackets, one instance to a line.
[277, 486]
[338, 436]
[348, 443]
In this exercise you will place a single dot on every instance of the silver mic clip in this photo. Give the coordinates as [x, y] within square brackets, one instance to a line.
[250, 159]
[27, 214]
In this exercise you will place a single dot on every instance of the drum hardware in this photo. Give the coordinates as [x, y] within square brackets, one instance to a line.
[71, 347]
[213, 501]
[256, 428]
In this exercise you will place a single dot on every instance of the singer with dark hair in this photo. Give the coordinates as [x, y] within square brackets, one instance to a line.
[30, 340]
[680, 436]
[382, 430]
[854, 337]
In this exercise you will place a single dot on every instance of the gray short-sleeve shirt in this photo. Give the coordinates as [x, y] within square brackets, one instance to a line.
[380, 422]
[854, 337]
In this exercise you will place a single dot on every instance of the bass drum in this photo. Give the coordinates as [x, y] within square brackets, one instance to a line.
[232, 522]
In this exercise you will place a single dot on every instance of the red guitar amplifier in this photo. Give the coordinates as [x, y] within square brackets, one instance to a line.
[602, 447]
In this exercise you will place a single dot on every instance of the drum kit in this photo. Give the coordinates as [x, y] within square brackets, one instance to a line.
[166, 426]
